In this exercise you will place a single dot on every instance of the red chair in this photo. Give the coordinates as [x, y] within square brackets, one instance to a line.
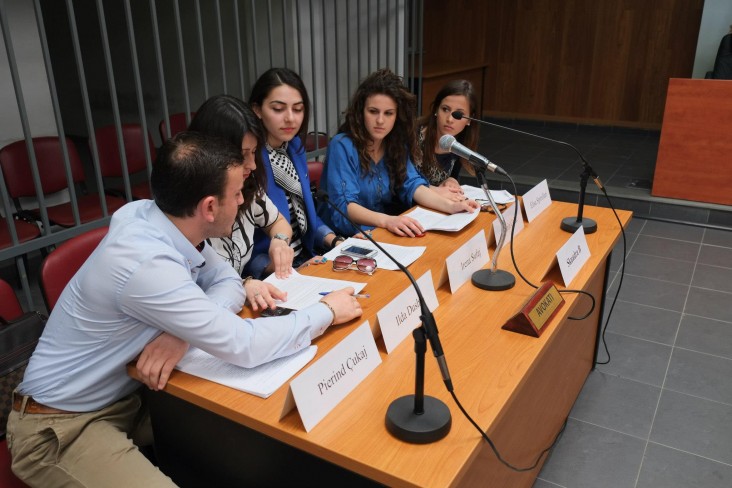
[316, 140]
[16, 168]
[9, 309]
[178, 123]
[25, 231]
[134, 145]
[62, 264]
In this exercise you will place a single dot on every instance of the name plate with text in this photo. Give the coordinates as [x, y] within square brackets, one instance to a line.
[538, 310]
[321, 387]
[573, 255]
[401, 316]
[468, 259]
[536, 200]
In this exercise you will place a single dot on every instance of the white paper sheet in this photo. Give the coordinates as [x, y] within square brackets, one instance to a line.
[303, 291]
[404, 254]
[261, 381]
[436, 221]
[499, 196]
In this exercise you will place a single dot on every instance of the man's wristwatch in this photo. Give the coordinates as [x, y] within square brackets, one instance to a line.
[282, 237]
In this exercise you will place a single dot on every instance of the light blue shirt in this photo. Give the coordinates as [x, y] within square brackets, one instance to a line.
[345, 183]
[144, 278]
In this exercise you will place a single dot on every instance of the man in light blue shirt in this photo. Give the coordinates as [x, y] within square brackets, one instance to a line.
[151, 288]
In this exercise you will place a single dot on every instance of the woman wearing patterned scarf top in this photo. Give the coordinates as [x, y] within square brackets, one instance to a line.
[232, 120]
[281, 102]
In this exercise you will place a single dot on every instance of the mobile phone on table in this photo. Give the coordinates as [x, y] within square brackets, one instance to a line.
[359, 252]
[275, 312]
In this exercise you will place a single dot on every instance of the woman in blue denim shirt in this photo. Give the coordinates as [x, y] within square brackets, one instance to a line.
[368, 170]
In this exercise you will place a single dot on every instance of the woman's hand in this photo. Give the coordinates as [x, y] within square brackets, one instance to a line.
[402, 225]
[281, 256]
[465, 205]
[263, 295]
[450, 190]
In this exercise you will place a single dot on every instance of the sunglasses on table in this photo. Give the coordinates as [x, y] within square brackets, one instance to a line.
[362, 265]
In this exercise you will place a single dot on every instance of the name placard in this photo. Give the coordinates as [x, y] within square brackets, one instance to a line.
[468, 259]
[536, 200]
[537, 311]
[401, 316]
[323, 385]
[573, 255]
[508, 217]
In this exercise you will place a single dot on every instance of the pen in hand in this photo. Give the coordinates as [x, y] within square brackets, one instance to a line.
[357, 295]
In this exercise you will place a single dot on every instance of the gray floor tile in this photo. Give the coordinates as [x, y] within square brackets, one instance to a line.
[716, 256]
[664, 467]
[540, 483]
[694, 425]
[660, 268]
[673, 231]
[588, 456]
[700, 375]
[616, 257]
[655, 293]
[713, 277]
[718, 237]
[644, 322]
[635, 359]
[709, 303]
[667, 248]
[617, 404]
[705, 335]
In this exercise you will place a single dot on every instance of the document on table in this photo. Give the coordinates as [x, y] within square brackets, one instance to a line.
[404, 254]
[436, 221]
[261, 381]
[303, 291]
[499, 196]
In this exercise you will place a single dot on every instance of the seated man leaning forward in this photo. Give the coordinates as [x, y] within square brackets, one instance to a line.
[151, 288]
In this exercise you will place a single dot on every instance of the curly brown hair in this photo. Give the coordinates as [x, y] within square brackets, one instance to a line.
[468, 137]
[401, 142]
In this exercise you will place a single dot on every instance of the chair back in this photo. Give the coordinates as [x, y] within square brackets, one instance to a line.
[24, 231]
[316, 140]
[9, 305]
[16, 166]
[134, 141]
[62, 264]
[178, 123]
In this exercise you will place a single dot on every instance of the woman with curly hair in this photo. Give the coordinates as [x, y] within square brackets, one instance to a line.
[440, 167]
[368, 170]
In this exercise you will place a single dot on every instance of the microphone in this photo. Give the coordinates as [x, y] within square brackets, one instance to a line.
[448, 143]
[406, 419]
[569, 224]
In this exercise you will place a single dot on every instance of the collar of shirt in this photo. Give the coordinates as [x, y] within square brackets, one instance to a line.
[179, 241]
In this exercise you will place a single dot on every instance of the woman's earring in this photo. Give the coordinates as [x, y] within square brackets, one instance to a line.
[435, 114]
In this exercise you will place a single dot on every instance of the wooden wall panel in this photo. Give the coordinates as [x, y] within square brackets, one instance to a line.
[599, 61]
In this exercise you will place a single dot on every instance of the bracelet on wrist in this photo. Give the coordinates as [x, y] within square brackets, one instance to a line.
[246, 280]
[336, 240]
[331, 311]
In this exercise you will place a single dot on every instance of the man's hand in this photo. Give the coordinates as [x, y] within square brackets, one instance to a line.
[158, 359]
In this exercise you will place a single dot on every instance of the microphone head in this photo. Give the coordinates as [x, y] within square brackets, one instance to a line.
[446, 142]
[457, 115]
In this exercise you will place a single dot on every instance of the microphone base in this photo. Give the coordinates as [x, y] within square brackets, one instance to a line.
[430, 426]
[493, 280]
[570, 224]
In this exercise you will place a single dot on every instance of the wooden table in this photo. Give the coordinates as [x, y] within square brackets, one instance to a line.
[519, 389]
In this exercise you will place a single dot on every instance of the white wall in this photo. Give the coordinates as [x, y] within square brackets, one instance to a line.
[715, 23]
[20, 17]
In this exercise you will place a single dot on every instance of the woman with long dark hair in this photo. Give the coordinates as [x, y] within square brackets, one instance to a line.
[368, 170]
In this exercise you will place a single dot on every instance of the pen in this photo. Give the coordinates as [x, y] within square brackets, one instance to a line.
[357, 295]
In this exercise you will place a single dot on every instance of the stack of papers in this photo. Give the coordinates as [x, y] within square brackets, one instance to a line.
[499, 196]
[261, 381]
[303, 291]
[430, 220]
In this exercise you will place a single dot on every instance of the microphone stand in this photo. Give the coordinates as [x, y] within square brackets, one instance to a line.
[493, 279]
[569, 224]
[417, 418]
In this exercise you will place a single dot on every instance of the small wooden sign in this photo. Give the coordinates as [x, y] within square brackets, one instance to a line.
[538, 310]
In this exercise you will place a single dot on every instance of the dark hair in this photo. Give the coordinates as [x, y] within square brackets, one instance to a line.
[469, 135]
[401, 142]
[271, 79]
[231, 119]
[190, 167]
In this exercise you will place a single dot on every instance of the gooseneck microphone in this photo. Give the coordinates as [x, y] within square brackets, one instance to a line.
[448, 143]
[569, 224]
[407, 418]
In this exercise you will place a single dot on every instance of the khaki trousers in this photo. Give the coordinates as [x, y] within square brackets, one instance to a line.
[94, 449]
